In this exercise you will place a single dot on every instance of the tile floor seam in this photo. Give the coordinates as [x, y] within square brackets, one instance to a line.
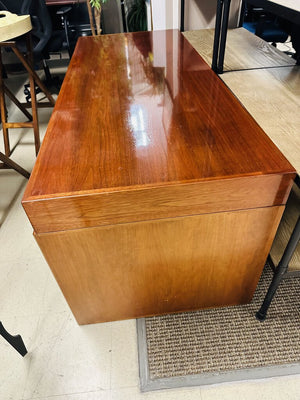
[51, 354]
[67, 394]
[111, 357]
[30, 358]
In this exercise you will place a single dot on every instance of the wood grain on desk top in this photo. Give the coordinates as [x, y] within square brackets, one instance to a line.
[144, 109]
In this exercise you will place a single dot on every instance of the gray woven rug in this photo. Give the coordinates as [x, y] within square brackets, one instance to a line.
[225, 344]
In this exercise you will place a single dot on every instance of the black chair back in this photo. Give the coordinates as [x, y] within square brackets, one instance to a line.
[16, 6]
[40, 19]
[41, 23]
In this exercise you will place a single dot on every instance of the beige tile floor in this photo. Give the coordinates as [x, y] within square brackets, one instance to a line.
[67, 361]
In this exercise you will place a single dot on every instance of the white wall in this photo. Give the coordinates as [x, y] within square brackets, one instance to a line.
[165, 14]
[199, 14]
[112, 18]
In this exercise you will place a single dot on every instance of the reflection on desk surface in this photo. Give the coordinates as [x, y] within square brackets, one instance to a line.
[145, 109]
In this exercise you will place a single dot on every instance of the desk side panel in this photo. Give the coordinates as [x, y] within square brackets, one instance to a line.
[148, 268]
[75, 212]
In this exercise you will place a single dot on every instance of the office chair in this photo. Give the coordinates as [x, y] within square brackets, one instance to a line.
[265, 25]
[45, 40]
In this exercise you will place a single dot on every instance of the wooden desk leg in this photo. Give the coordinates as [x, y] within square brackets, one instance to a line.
[15, 341]
[3, 110]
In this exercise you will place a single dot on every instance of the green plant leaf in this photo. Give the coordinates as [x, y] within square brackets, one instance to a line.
[98, 3]
[137, 16]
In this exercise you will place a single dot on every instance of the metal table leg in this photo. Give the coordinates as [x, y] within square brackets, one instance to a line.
[280, 271]
[182, 9]
[15, 341]
[123, 13]
[222, 16]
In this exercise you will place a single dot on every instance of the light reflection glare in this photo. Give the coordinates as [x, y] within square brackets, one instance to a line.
[127, 59]
[138, 122]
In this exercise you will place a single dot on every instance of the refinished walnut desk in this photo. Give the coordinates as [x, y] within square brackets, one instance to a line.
[154, 190]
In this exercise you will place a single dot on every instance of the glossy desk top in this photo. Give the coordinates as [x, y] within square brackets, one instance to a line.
[144, 110]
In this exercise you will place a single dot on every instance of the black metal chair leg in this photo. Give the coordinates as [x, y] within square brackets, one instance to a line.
[15, 341]
[279, 272]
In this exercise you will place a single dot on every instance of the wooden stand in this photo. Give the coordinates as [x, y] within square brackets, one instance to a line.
[34, 80]
[11, 164]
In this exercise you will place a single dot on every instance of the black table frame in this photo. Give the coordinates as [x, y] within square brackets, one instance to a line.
[281, 270]
[222, 16]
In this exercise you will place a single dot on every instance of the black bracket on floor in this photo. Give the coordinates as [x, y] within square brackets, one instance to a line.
[15, 341]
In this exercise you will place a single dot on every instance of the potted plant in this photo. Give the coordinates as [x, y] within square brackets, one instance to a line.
[94, 10]
[137, 16]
